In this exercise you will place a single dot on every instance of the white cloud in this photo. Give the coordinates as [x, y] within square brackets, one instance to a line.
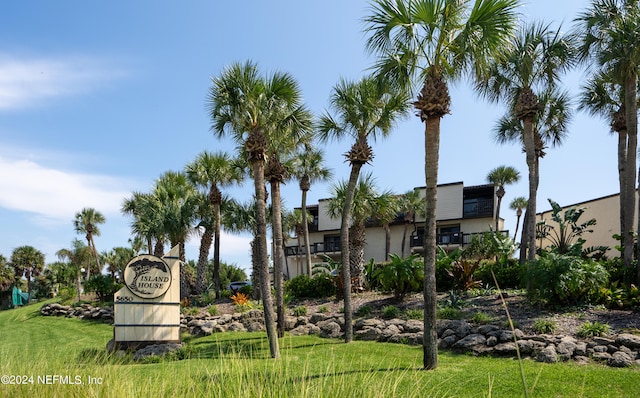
[28, 82]
[54, 196]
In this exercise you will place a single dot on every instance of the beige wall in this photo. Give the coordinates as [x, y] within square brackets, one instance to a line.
[606, 211]
[324, 221]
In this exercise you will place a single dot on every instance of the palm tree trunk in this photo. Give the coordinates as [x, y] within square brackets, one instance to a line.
[529, 145]
[622, 164]
[203, 256]
[515, 233]
[305, 226]
[344, 244]
[387, 241]
[278, 256]
[216, 250]
[631, 117]
[430, 336]
[498, 211]
[356, 255]
[262, 255]
[404, 238]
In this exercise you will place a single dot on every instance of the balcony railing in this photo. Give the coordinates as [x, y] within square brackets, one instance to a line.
[320, 247]
[451, 238]
[473, 208]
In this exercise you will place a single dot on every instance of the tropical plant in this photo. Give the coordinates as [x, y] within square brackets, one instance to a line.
[27, 261]
[411, 204]
[7, 275]
[116, 260]
[103, 285]
[212, 172]
[499, 177]
[565, 279]
[249, 108]
[545, 326]
[308, 167]
[462, 272]
[146, 224]
[593, 329]
[565, 233]
[430, 42]
[401, 275]
[86, 222]
[607, 32]
[518, 204]
[364, 110]
[526, 79]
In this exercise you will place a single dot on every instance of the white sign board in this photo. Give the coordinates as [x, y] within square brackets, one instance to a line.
[147, 308]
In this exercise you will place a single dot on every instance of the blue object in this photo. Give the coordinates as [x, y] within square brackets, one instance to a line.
[18, 298]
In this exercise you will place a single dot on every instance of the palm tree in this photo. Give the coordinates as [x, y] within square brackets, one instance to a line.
[499, 177]
[364, 110]
[518, 204]
[530, 69]
[76, 258]
[309, 168]
[248, 108]
[607, 32]
[429, 42]
[147, 222]
[292, 222]
[177, 201]
[86, 222]
[282, 145]
[27, 261]
[363, 208]
[602, 96]
[411, 204]
[385, 210]
[212, 171]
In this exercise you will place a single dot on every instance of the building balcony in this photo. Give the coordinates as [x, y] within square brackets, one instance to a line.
[316, 248]
[448, 239]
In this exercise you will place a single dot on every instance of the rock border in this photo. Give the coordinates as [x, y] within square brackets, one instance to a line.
[621, 350]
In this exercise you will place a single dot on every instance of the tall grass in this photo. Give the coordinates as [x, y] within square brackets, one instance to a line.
[239, 365]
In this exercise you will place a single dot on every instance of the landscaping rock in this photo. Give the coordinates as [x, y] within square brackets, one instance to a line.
[620, 359]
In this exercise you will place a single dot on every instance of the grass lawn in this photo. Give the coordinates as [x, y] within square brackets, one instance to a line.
[45, 352]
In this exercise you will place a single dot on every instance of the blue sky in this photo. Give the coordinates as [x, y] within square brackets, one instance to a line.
[98, 99]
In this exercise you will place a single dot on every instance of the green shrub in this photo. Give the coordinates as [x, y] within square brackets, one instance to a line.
[595, 329]
[444, 262]
[390, 311]
[248, 290]
[449, 313]
[413, 314]
[323, 309]
[299, 311]
[103, 285]
[213, 310]
[364, 310]
[320, 286]
[565, 279]
[508, 274]
[482, 318]
[545, 326]
[401, 275]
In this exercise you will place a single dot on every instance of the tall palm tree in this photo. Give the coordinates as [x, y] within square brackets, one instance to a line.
[86, 222]
[362, 209]
[602, 96]
[428, 43]
[292, 222]
[212, 171]
[411, 204]
[309, 168]
[518, 204]
[249, 107]
[608, 35]
[364, 110]
[282, 145]
[531, 67]
[177, 201]
[499, 177]
[27, 261]
[550, 127]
